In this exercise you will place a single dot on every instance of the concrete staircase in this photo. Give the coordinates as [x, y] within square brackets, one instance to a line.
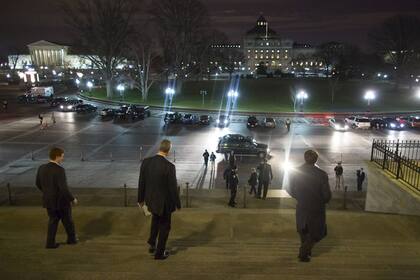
[210, 244]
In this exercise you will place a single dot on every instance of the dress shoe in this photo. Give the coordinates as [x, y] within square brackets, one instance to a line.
[163, 256]
[73, 242]
[152, 249]
[304, 259]
[54, 246]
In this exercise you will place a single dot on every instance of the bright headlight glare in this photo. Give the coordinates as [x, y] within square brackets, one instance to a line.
[61, 107]
[392, 125]
[225, 121]
[69, 107]
[218, 121]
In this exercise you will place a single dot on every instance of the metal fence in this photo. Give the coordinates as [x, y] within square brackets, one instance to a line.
[401, 158]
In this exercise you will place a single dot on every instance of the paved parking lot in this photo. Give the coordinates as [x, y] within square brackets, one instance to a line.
[108, 153]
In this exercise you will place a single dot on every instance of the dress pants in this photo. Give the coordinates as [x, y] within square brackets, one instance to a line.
[263, 185]
[161, 225]
[233, 191]
[306, 243]
[55, 215]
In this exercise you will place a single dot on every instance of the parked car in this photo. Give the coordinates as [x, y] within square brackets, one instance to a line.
[107, 113]
[141, 112]
[252, 122]
[42, 99]
[70, 105]
[414, 122]
[339, 125]
[122, 112]
[241, 145]
[205, 119]
[26, 98]
[358, 122]
[269, 122]
[173, 118]
[189, 119]
[223, 121]
[394, 123]
[56, 101]
[377, 123]
[86, 108]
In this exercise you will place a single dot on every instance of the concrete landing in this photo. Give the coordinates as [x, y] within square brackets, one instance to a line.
[210, 244]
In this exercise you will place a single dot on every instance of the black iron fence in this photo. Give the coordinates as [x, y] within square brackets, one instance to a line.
[401, 158]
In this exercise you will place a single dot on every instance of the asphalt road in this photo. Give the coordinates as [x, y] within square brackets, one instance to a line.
[108, 153]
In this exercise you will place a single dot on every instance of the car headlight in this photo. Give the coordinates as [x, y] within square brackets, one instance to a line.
[402, 125]
[346, 127]
[225, 121]
[218, 121]
[393, 125]
[61, 107]
[69, 107]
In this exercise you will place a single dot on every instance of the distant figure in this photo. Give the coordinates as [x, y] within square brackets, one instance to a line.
[212, 158]
[226, 174]
[232, 160]
[360, 179]
[253, 181]
[159, 192]
[5, 105]
[309, 186]
[206, 157]
[41, 119]
[288, 124]
[53, 118]
[265, 175]
[338, 176]
[51, 180]
[233, 186]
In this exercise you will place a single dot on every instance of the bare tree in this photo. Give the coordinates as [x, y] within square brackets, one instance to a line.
[144, 49]
[102, 28]
[183, 28]
[13, 60]
[397, 41]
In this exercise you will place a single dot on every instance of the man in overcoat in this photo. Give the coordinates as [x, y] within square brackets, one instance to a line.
[158, 190]
[309, 186]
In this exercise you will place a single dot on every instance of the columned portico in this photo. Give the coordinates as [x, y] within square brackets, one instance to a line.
[44, 53]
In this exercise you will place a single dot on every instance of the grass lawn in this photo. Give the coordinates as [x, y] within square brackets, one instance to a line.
[274, 95]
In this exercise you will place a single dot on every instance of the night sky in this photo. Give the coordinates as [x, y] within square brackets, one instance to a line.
[309, 21]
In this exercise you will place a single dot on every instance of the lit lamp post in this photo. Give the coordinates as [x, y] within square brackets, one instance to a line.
[170, 92]
[203, 93]
[369, 96]
[233, 93]
[89, 84]
[301, 97]
[121, 89]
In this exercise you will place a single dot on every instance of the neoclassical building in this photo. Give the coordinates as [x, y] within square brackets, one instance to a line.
[45, 54]
[262, 44]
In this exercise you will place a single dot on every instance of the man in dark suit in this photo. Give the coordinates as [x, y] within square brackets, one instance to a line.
[57, 199]
[158, 190]
[265, 175]
[309, 186]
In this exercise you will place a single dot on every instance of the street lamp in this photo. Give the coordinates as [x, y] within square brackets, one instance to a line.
[170, 91]
[203, 93]
[121, 89]
[369, 96]
[89, 84]
[301, 97]
[233, 93]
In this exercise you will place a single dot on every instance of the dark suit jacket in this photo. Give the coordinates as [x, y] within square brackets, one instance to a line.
[310, 187]
[158, 186]
[51, 180]
[265, 173]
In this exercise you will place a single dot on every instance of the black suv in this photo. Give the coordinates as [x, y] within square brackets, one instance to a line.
[252, 122]
[241, 145]
[172, 118]
[132, 112]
